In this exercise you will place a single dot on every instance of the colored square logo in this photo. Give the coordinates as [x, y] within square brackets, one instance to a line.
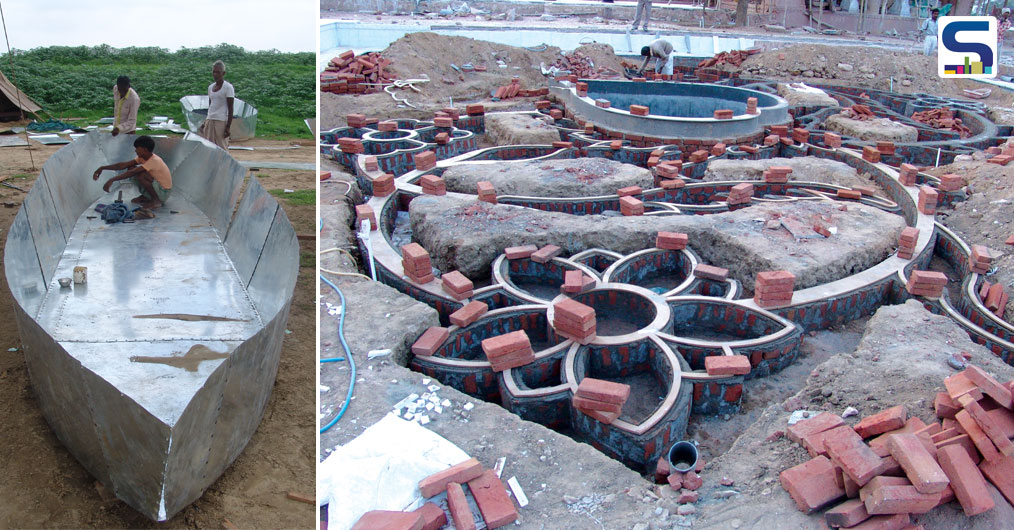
[966, 47]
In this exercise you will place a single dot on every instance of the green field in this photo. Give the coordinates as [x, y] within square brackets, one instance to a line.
[77, 82]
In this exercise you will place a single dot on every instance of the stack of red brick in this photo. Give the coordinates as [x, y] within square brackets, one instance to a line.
[348, 74]
[457, 285]
[600, 399]
[908, 173]
[942, 118]
[575, 282]
[669, 170]
[512, 90]
[468, 313]
[416, 263]
[858, 112]
[486, 192]
[740, 194]
[631, 206]
[735, 58]
[508, 351]
[574, 320]
[488, 492]
[352, 146]
[671, 240]
[927, 202]
[777, 174]
[751, 106]
[383, 185]
[433, 185]
[980, 259]
[582, 66]
[909, 467]
[773, 288]
[926, 283]
[951, 182]
[994, 297]
[365, 213]
[906, 242]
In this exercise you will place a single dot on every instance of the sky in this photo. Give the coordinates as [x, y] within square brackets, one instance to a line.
[285, 25]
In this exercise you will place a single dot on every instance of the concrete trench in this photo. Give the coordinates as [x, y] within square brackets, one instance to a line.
[675, 318]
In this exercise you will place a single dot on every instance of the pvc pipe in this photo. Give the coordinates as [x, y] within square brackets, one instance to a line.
[364, 234]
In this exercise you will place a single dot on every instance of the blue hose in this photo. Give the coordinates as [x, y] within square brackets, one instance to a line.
[348, 355]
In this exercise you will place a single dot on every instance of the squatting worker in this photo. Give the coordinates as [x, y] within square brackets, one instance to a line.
[220, 102]
[929, 32]
[148, 171]
[125, 104]
[661, 50]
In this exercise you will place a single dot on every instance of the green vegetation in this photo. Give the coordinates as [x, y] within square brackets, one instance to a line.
[298, 197]
[77, 82]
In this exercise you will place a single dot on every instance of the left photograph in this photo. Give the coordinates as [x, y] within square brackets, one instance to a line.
[157, 319]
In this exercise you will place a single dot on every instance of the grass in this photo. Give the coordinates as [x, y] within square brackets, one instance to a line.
[77, 82]
[298, 197]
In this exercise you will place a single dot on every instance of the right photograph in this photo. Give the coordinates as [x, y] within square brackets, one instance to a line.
[731, 264]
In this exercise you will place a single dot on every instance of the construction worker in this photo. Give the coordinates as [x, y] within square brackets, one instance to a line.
[125, 104]
[643, 6]
[221, 96]
[661, 50]
[929, 32]
[1002, 25]
[148, 172]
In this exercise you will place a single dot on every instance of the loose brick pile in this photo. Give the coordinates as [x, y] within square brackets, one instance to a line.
[514, 90]
[994, 297]
[942, 119]
[858, 112]
[905, 466]
[490, 496]
[773, 288]
[734, 58]
[574, 320]
[508, 351]
[582, 66]
[348, 74]
[980, 259]
[600, 399]
[685, 482]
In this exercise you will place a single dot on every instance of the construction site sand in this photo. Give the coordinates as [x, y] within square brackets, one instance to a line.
[45, 486]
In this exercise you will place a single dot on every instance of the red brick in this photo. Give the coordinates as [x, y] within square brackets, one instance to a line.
[365, 212]
[1003, 419]
[387, 126]
[723, 114]
[994, 297]
[1001, 473]
[546, 254]
[433, 517]
[662, 470]
[870, 154]
[966, 480]
[718, 149]
[476, 109]
[821, 422]
[425, 160]
[887, 500]
[389, 520]
[673, 184]
[603, 103]
[977, 435]
[812, 484]
[461, 472]
[994, 432]
[511, 360]
[909, 236]
[355, 120]
[846, 514]
[469, 313]
[814, 443]
[629, 190]
[429, 341]
[851, 488]
[457, 504]
[989, 386]
[520, 251]
[443, 122]
[1002, 160]
[639, 110]
[442, 138]
[603, 417]
[727, 364]
[855, 458]
[560, 144]
[594, 404]
[928, 278]
[884, 421]
[959, 384]
[631, 206]
[928, 198]
[455, 282]
[692, 481]
[556, 114]
[675, 480]
[944, 435]
[687, 497]
[770, 140]
[920, 467]
[507, 343]
[849, 194]
[490, 495]
[885, 148]
[879, 482]
[710, 272]
[671, 240]
[832, 140]
[573, 311]
[884, 522]
[699, 156]
[601, 390]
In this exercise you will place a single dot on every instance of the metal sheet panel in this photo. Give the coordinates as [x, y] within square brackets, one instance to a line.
[211, 179]
[249, 228]
[275, 275]
[69, 175]
[45, 225]
[244, 116]
[21, 264]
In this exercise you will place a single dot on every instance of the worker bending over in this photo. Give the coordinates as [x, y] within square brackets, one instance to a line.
[661, 50]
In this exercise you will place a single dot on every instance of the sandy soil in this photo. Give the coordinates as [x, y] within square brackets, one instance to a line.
[44, 486]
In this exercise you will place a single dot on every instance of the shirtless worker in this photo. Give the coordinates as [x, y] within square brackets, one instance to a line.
[148, 171]
[661, 50]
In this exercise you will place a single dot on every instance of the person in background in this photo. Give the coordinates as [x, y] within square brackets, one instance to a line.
[929, 32]
[1002, 25]
[221, 96]
[643, 6]
[661, 50]
[125, 104]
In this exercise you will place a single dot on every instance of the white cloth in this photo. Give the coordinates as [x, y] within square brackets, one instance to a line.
[663, 65]
[217, 108]
[929, 44]
[929, 27]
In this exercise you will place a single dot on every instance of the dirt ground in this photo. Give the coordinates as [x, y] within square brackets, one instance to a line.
[42, 485]
[985, 217]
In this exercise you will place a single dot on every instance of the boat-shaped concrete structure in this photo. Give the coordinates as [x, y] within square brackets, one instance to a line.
[155, 373]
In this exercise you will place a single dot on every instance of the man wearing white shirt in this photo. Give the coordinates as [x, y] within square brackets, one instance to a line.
[221, 96]
[929, 31]
[125, 104]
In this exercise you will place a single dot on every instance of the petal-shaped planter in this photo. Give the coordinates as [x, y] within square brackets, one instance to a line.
[534, 281]
[666, 272]
[156, 372]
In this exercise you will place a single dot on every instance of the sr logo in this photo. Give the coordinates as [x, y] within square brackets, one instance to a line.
[967, 47]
